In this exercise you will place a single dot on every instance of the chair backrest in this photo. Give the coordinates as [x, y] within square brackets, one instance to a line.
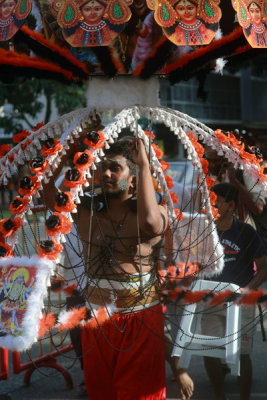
[201, 284]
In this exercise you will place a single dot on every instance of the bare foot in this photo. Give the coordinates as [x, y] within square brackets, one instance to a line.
[185, 384]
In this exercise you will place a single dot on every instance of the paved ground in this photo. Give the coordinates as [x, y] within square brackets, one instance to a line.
[49, 384]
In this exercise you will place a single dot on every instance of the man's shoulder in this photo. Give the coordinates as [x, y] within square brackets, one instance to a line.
[244, 226]
[246, 232]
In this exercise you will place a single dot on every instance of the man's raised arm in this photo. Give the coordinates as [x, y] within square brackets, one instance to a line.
[153, 218]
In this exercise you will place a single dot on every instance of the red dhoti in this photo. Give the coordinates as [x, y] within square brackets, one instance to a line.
[124, 359]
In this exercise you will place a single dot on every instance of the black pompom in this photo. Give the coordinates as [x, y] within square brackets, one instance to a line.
[37, 162]
[61, 199]
[49, 143]
[93, 136]
[72, 174]
[52, 222]
[8, 225]
[83, 159]
[3, 251]
[16, 203]
[258, 153]
[47, 245]
[25, 183]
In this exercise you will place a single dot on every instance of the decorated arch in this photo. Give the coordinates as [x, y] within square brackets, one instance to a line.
[191, 244]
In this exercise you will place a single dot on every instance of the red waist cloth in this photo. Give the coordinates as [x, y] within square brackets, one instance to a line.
[125, 358]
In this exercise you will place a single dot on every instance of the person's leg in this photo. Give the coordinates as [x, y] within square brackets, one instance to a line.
[215, 373]
[76, 301]
[98, 363]
[181, 376]
[245, 378]
[213, 323]
[248, 315]
[184, 381]
[76, 340]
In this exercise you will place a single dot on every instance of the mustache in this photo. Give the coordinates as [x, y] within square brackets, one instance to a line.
[106, 180]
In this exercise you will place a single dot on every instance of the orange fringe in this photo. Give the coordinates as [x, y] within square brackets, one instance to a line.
[77, 314]
[194, 297]
[172, 269]
[100, 318]
[69, 289]
[219, 298]
[251, 297]
[46, 323]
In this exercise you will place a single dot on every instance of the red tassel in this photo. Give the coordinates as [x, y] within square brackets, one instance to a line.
[77, 314]
[46, 323]
[220, 297]
[172, 270]
[69, 289]
[251, 298]
[194, 297]
[173, 294]
[101, 317]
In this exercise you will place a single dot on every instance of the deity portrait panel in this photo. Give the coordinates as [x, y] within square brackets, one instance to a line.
[252, 16]
[23, 282]
[187, 22]
[12, 16]
[87, 23]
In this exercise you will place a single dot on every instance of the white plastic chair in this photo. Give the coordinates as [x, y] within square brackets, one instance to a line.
[189, 343]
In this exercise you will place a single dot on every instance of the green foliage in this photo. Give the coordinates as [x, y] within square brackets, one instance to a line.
[31, 97]
[69, 98]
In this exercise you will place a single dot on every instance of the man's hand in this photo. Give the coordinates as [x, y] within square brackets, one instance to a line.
[231, 174]
[138, 153]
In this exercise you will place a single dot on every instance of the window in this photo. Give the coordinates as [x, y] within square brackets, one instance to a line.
[223, 98]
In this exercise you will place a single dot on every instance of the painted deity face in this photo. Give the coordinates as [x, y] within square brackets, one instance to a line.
[93, 12]
[187, 11]
[20, 280]
[255, 13]
[6, 9]
[115, 175]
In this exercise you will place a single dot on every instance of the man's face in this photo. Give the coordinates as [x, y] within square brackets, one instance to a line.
[225, 209]
[115, 175]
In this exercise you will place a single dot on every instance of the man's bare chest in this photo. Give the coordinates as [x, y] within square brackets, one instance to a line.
[104, 234]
